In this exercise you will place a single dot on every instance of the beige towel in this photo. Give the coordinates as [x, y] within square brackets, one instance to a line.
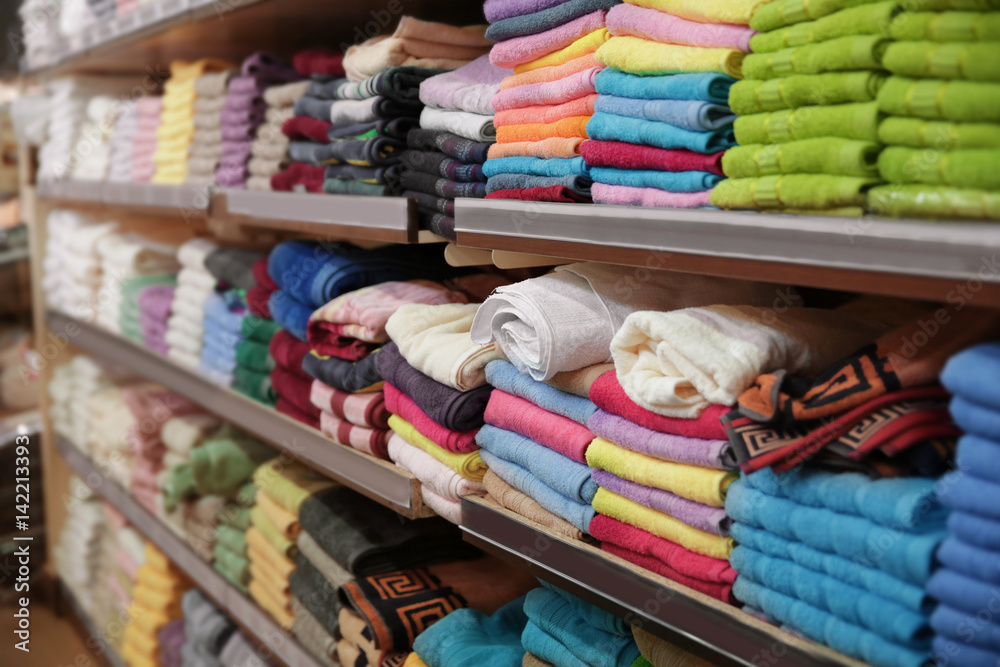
[532, 660]
[259, 183]
[285, 95]
[578, 382]
[661, 653]
[259, 166]
[208, 120]
[507, 496]
[213, 84]
[209, 105]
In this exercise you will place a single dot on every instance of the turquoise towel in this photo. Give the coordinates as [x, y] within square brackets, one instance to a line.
[707, 87]
[686, 114]
[593, 616]
[470, 637]
[610, 127]
[671, 181]
[555, 167]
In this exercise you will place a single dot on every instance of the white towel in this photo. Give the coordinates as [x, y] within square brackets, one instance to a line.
[193, 253]
[182, 434]
[196, 278]
[474, 126]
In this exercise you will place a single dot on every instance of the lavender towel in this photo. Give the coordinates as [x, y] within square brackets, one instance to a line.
[716, 454]
[710, 519]
[272, 68]
[469, 88]
[171, 638]
[156, 300]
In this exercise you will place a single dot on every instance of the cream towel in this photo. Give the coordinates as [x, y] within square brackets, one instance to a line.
[474, 126]
[203, 281]
[182, 434]
[285, 95]
[192, 254]
[183, 358]
[209, 105]
[259, 183]
[181, 341]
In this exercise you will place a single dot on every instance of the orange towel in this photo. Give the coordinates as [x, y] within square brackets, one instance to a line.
[261, 572]
[546, 74]
[258, 548]
[286, 522]
[575, 126]
[586, 44]
[279, 612]
[553, 147]
[581, 106]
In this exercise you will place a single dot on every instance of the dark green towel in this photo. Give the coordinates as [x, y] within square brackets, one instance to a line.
[254, 356]
[974, 61]
[929, 201]
[751, 97]
[844, 54]
[780, 13]
[224, 462]
[829, 155]
[942, 135]
[945, 27]
[259, 329]
[974, 169]
[864, 20]
[802, 191]
[962, 101]
[254, 385]
[848, 121]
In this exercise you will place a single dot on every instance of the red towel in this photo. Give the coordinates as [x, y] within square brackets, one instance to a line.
[371, 441]
[305, 127]
[288, 352]
[454, 441]
[293, 396]
[257, 298]
[548, 193]
[261, 275]
[317, 61]
[298, 174]
[288, 408]
[558, 433]
[631, 156]
[608, 395]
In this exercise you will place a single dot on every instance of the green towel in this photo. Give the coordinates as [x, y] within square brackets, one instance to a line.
[802, 191]
[843, 54]
[962, 101]
[232, 569]
[231, 539]
[224, 462]
[338, 186]
[976, 169]
[750, 97]
[918, 133]
[258, 329]
[928, 201]
[254, 356]
[827, 155]
[974, 61]
[780, 13]
[848, 121]
[254, 385]
[945, 27]
[176, 486]
[864, 20]
[641, 662]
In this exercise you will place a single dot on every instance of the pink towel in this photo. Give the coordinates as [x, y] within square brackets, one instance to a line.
[624, 195]
[431, 472]
[582, 106]
[662, 27]
[368, 440]
[124, 560]
[115, 518]
[443, 507]
[521, 50]
[359, 409]
[556, 432]
[454, 441]
[573, 86]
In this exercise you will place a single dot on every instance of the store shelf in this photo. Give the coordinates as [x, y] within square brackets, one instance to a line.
[379, 480]
[95, 638]
[722, 634]
[181, 199]
[240, 608]
[876, 255]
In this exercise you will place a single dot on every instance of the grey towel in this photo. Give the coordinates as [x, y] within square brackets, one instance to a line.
[233, 266]
[316, 594]
[553, 17]
[206, 629]
[578, 184]
[313, 636]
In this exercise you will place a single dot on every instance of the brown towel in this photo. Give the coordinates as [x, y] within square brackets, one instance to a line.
[510, 498]
[662, 653]
[532, 660]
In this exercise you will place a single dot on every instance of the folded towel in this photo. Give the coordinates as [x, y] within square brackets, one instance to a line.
[554, 431]
[983, 640]
[546, 114]
[361, 409]
[536, 167]
[856, 52]
[970, 168]
[866, 19]
[474, 126]
[468, 465]
[961, 653]
[445, 481]
[537, 19]
[667, 27]
[832, 88]
[587, 44]
[311, 633]
[829, 155]
[290, 484]
[938, 135]
[956, 100]
[624, 195]
[689, 115]
[574, 126]
[610, 127]
[368, 440]
[789, 12]
[519, 503]
[704, 87]
[796, 191]
[670, 181]
[527, 48]
[644, 57]
[453, 441]
[956, 60]
[943, 27]
[849, 121]
[974, 418]
[552, 147]
[452, 145]
[549, 85]
[963, 491]
[468, 635]
[504, 376]
[442, 166]
[928, 201]
[712, 11]
[968, 560]
[347, 376]
[696, 451]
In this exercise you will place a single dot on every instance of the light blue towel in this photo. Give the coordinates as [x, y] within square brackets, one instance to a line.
[560, 473]
[974, 374]
[979, 457]
[890, 621]
[707, 87]
[825, 628]
[975, 530]
[961, 491]
[470, 637]
[219, 315]
[974, 418]
[959, 654]
[963, 593]
[218, 360]
[903, 555]
[962, 628]
[592, 616]
[223, 342]
[691, 115]
[671, 181]
[503, 375]
[578, 514]
[610, 127]
[578, 184]
[877, 582]
[536, 166]
[909, 502]
[215, 375]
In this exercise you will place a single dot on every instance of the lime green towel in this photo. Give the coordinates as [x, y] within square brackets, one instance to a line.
[789, 12]
[945, 27]
[827, 155]
[254, 385]
[942, 135]
[736, 12]
[844, 54]
[976, 169]
[848, 121]
[962, 101]
[974, 61]
[801, 191]
[864, 20]
[753, 96]
[647, 58]
[929, 201]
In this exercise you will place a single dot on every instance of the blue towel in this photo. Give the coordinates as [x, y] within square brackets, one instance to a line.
[961, 491]
[980, 457]
[903, 555]
[219, 345]
[593, 616]
[534, 166]
[825, 628]
[292, 315]
[470, 637]
[578, 184]
[693, 115]
[969, 629]
[909, 502]
[610, 127]
[974, 374]
[875, 581]
[707, 87]
[562, 637]
[578, 514]
[975, 530]
[960, 654]
[671, 181]
[503, 375]
[974, 418]
[558, 472]
[962, 592]
[216, 375]
[219, 315]
[890, 621]
[546, 19]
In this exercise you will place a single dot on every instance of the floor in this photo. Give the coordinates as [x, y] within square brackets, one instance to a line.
[55, 641]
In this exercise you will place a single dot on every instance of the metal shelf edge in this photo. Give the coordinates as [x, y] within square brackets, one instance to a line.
[107, 651]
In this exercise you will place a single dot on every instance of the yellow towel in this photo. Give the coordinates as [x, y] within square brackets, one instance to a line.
[647, 58]
[262, 572]
[664, 525]
[581, 47]
[182, 71]
[164, 580]
[469, 466]
[290, 483]
[287, 523]
[270, 532]
[152, 620]
[258, 548]
[146, 649]
[133, 657]
[280, 613]
[156, 559]
[165, 602]
[702, 485]
[706, 11]
[413, 660]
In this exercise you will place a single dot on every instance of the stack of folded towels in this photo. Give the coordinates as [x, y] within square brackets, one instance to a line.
[232, 523]
[444, 157]
[662, 120]
[125, 257]
[206, 630]
[108, 433]
[968, 577]
[120, 150]
[77, 552]
[176, 130]
[941, 130]
[156, 599]
[72, 265]
[206, 142]
[185, 328]
[116, 573]
[269, 152]
[144, 142]
[808, 125]
[543, 109]
[291, 384]
[145, 309]
[244, 111]
[91, 156]
[88, 377]
[254, 363]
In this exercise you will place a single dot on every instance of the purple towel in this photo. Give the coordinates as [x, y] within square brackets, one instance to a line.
[152, 328]
[716, 454]
[250, 116]
[171, 639]
[155, 301]
[710, 519]
[240, 101]
[265, 66]
[469, 88]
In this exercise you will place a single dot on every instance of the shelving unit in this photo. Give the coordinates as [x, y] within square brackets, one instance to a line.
[107, 654]
[241, 609]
